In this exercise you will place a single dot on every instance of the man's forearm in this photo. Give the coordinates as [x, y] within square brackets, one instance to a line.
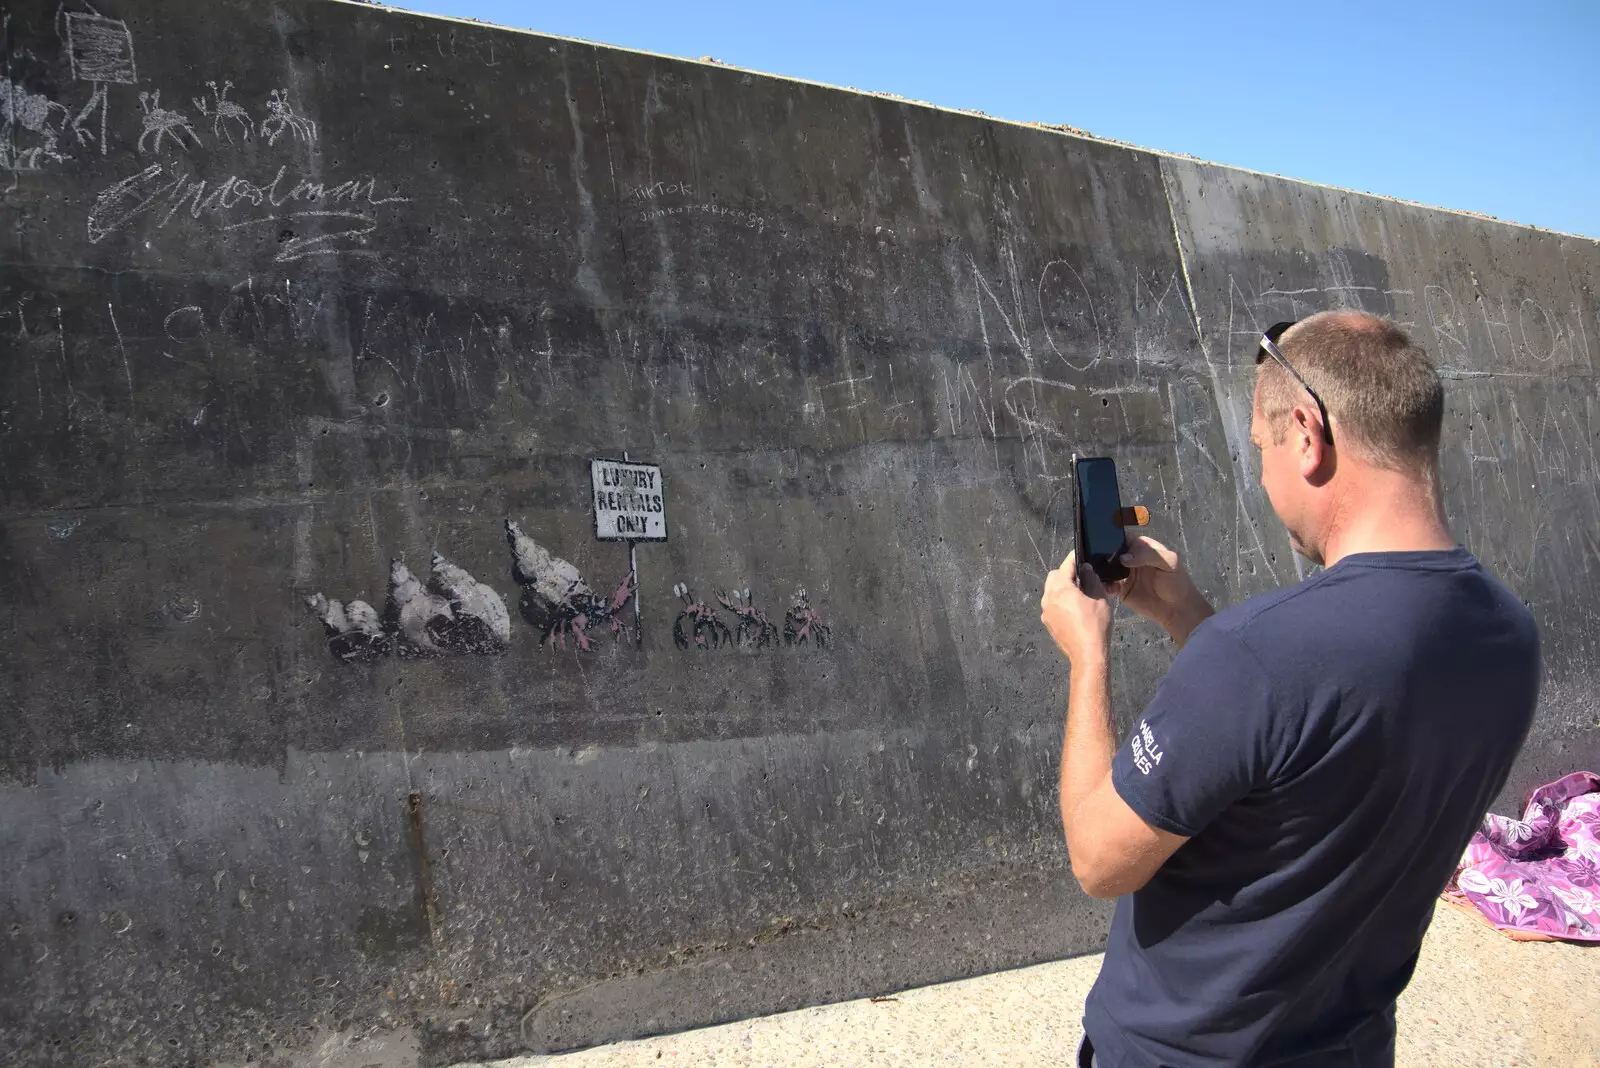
[1089, 744]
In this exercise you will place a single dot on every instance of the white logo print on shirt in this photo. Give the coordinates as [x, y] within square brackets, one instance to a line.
[1146, 750]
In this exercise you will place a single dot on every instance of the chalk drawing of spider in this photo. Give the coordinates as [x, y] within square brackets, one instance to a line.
[282, 116]
[754, 630]
[223, 112]
[162, 123]
[706, 629]
[802, 623]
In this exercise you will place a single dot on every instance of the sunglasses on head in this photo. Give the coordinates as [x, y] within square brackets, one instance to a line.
[1269, 347]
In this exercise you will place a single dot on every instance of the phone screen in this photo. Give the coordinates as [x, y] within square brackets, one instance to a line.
[1101, 539]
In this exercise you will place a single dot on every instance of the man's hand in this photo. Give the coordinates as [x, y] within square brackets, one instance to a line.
[1075, 611]
[1160, 589]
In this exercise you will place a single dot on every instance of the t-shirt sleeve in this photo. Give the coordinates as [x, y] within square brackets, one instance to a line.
[1205, 741]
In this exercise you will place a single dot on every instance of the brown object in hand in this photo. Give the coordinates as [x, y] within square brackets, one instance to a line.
[1137, 516]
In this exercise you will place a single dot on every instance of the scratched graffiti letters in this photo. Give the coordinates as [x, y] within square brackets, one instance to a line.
[1071, 324]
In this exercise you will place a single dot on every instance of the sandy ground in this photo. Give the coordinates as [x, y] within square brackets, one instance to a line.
[1478, 999]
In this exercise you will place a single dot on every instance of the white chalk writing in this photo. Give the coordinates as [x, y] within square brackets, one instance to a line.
[164, 195]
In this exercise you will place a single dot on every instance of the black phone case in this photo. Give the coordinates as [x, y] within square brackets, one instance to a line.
[1108, 570]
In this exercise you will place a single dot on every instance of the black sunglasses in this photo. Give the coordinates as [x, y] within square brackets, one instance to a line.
[1269, 347]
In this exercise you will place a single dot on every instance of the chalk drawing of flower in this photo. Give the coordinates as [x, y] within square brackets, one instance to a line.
[1474, 881]
[1511, 896]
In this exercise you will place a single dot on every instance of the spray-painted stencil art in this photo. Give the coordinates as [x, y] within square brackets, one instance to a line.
[802, 623]
[453, 613]
[557, 600]
[355, 633]
[698, 624]
[754, 630]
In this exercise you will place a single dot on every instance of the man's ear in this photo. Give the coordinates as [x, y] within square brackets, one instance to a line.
[1311, 447]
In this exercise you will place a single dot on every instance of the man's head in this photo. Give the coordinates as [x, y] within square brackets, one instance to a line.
[1385, 407]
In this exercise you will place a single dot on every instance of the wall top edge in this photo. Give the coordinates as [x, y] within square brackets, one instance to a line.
[1060, 130]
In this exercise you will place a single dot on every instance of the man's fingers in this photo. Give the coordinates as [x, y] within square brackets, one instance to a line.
[1147, 552]
[1090, 583]
[1066, 573]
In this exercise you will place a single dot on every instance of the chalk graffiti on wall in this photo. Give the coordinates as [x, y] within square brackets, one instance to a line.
[346, 212]
[100, 51]
[163, 122]
[453, 613]
[556, 599]
[282, 116]
[222, 111]
[31, 130]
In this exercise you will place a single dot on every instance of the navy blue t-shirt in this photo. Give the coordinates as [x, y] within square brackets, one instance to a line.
[1328, 749]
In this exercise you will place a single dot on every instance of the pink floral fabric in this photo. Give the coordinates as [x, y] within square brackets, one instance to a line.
[1539, 875]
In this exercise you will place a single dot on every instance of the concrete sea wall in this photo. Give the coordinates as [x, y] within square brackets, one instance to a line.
[294, 291]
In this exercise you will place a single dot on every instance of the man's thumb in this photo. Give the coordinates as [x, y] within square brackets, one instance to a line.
[1147, 552]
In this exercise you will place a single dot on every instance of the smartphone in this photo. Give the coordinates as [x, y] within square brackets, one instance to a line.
[1100, 536]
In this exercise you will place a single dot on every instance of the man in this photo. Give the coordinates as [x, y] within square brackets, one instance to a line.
[1283, 816]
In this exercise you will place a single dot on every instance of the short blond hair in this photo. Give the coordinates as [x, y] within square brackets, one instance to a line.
[1383, 396]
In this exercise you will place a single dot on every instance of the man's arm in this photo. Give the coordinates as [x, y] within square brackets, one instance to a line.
[1112, 849]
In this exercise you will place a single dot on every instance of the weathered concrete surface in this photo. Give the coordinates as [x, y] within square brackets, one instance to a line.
[1477, 999]
[391, 280]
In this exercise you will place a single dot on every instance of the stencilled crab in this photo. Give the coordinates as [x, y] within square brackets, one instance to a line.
[802, 623]
[579, 613]
[706, 630]
[557, 600]
[754, 630]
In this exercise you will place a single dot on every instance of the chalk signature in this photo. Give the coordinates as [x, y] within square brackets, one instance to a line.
[163, 193]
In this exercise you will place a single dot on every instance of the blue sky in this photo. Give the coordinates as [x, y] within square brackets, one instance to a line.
[1486, 107]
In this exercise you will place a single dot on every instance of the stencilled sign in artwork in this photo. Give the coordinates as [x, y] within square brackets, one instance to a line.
[629, 501]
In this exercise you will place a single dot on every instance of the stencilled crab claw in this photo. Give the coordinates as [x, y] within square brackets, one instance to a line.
[629, 587]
